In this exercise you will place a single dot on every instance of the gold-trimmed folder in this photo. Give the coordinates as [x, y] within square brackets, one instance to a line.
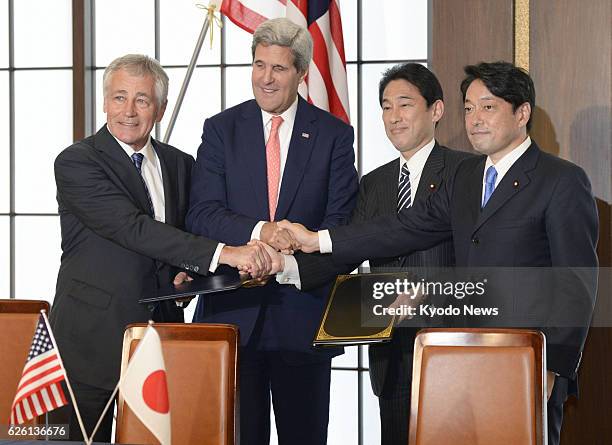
[343, 321]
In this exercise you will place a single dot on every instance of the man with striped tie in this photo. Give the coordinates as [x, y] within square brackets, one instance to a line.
[412, 104]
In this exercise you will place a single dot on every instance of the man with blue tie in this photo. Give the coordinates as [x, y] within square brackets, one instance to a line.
[262, 161]
[514, 207]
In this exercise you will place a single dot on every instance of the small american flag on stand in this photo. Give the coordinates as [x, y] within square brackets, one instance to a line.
[39, 389]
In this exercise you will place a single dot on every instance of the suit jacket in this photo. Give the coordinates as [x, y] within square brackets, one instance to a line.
[114, 253]
[377, 197]
[229, 196]
[541, 214]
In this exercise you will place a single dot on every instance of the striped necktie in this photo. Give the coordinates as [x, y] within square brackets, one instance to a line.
[404, 199]
[137, 159]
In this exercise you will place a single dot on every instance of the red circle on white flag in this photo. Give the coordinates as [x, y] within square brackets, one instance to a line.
[155, 392]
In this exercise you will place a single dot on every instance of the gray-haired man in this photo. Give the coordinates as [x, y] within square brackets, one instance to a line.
[262, 161]
[122, 200]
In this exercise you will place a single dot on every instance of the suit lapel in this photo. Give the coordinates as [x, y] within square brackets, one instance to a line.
[386, 191]
[168, 168]
[122, 165]
[513, 182]
[430, 178]
[300, 148]
[251, 140]
[473, 190]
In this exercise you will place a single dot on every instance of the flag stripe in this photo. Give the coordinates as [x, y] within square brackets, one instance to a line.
[36, 404]
[336, 29]
[38, 362]
[321, 59]
[337, 68]
[45, 395]
[56, 375]
[41, 372]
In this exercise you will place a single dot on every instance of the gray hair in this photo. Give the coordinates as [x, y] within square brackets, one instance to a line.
[139, 65]
[283, 32]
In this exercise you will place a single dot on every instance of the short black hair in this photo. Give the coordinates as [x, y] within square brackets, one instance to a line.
[504, 80]
[416, 74]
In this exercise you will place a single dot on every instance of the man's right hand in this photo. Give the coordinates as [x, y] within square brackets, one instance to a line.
[309, 241]
[252, 258]
[279, 238]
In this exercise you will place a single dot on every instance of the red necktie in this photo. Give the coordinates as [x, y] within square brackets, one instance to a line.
[273, 165]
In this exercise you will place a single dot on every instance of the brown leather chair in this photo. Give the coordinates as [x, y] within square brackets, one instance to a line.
[18, 320]
[478, 386]
[201, 365]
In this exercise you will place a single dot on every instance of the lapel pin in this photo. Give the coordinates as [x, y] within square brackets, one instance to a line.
[515, 184]
[305, 135]
[432, 186]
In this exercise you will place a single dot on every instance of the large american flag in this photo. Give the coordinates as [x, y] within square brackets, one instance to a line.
[326, 85]
[39, 389]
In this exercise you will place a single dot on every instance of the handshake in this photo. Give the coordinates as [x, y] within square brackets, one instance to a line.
[264, 257]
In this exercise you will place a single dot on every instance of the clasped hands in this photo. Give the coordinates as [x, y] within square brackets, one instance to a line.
[259, 259]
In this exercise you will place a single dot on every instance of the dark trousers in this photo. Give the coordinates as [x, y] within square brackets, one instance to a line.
[91, 402]
[299, 393]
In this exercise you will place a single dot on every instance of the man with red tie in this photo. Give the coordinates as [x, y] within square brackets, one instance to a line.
[276, 157]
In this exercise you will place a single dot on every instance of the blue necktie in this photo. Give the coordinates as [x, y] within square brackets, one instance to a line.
[490, 178]
[137, 159]
[404, 190]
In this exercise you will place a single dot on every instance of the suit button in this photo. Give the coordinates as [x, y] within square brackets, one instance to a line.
[475, 240]
[196, 268]
[182, 266]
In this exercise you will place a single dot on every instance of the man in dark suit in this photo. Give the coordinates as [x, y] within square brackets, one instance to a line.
[515, 207]
[122, 200]
[411, 99]
[261, 161]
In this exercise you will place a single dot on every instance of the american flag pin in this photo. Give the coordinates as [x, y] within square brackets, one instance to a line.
[305, 135]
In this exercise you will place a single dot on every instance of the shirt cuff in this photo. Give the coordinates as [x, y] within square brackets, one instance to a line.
[290, 273]
[256, 233]
[325, 242]
[214, 263]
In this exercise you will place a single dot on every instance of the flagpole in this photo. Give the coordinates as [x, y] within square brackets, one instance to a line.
[108, 404]
[114, 392]
[59, 358]
[212, 6]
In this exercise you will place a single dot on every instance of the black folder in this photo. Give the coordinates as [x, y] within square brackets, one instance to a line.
[343, 322]
[227, 281]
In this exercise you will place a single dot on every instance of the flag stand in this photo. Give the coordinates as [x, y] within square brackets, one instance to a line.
[72, 397]
[212, 7]
[108, 404]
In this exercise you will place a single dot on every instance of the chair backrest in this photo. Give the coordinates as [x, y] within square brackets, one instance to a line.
[18, 319]
[201, 365]
[478, 386]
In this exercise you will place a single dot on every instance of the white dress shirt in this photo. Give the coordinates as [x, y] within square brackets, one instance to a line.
[502, 167]
[152, 176]
[416, 163]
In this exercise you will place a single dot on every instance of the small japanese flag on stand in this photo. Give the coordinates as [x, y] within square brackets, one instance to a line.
[144, 387]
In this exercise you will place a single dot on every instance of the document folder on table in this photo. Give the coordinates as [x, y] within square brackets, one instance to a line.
[344, 320]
